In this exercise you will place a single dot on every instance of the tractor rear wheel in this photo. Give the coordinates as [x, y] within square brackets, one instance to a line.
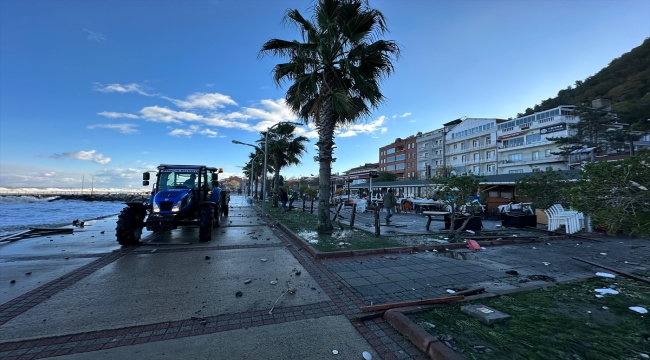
[206, 223]
[129, 226]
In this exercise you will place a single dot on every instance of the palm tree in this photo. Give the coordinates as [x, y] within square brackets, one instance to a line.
[285, 149]
[334, 73]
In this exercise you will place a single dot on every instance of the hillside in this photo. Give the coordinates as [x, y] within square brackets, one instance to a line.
[625, 81]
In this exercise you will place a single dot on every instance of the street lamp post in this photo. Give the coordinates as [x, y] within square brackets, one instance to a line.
[265, 152]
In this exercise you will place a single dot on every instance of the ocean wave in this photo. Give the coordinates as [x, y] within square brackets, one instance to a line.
[24, 199]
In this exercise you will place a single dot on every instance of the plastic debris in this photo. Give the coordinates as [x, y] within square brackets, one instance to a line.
[154, 250]
[599, 296]
[606, 291]
[603, 253]
[450, 291]
[534, 248]
[247, 281]
[639, 309]
[273, 282]
[263, 260]
[605, 308]
[645, 356]
[335, 352]
[207, 257]
[607, 275]
[238, 294]
[366, 355]
[470, 231]
[430, 325]
[546, 263]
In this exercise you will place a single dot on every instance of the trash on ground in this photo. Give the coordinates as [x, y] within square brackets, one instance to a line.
[238, 294]
[263, 260]
[430, 325]
[273, 282]
[546, 263]
[247, 281]
[534, 248]
[607, 275]
[292, 290]
[470, 231]
[154, 250]
[207, 257]
[606, 291]
[335, 352]
[599, 296]
[639, 309]
[605, 308]
[603, 253]
[645, 356]
[366, 355]
[512, 272]
[450, 291]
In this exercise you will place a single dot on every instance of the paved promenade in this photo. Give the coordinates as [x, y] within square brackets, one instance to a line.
[81, 296]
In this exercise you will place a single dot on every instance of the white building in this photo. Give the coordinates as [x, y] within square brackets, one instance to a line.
[470, 147]
[523, 145]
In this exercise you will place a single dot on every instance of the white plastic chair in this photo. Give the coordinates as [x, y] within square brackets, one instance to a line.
[556, 220]
[579, 217]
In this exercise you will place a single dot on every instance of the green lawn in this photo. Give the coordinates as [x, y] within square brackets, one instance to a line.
[305, 224]
[559, 322]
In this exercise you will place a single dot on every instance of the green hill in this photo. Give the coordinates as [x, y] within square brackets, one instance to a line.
[625, 81]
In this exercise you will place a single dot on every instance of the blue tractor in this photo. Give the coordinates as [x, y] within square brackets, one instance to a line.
[182, 195]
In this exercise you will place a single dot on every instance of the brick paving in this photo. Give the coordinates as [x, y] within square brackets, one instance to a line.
[349, 282]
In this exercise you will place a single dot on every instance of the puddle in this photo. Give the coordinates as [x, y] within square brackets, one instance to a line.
[458, 255]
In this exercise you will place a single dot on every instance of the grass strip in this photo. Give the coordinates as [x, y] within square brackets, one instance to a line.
[559, 322]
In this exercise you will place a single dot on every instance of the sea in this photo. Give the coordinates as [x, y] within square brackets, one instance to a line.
[19, 213]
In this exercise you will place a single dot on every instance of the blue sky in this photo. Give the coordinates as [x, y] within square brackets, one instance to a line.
[113, 88]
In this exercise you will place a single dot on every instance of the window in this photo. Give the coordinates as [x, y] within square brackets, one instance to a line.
[491, 168]
[488, 140]
[513, 142]
[462, 158]
[462, 145]
[390, 159]
[515, 157]
[489, 154]
[476, 156]
[390, 151]
[390, 167]
[399, 167]
[476, 169]
[547, 153]
[516, 171]
[475, 143]
[455, 146]
[399, 157]
[535, 155]
[533, 138]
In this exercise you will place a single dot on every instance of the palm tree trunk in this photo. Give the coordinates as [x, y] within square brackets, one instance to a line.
[326, 124]
[276, 184]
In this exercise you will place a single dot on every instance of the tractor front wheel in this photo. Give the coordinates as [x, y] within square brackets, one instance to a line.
[129, 226]
[206, 223]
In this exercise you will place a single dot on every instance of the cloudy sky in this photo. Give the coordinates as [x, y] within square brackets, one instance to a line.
[113, 88]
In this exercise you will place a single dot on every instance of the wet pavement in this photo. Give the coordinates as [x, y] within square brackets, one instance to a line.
[82, 296]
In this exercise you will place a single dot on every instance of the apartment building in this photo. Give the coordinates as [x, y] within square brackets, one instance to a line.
[523, 144]
[430, 148]
[471, 147]
[400, 158]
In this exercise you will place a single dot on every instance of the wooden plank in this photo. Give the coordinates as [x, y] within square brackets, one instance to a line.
[20, 233]
[620, 272]
[442, 300]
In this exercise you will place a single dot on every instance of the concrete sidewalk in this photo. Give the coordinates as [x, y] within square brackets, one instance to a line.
[81, 296]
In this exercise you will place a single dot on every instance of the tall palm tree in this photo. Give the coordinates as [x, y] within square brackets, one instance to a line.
[334, 73]
[285, 149]
[257, 159]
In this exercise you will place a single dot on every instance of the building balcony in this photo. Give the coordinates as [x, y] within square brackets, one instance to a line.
[531, 161]
[470, 149]
[501, 148]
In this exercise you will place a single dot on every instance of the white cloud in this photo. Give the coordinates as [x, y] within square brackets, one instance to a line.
[370, 128]
[394, 116]
[405, 114]
[83, 155]
[117, 115]
[123, 128]
[95, 36]
[122, 88]
[203, 101]
[193, 129]
[48, 174]
[209, 85]
[159, 114]
[123, 173]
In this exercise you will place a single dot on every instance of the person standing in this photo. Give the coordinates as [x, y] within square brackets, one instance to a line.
[389, 204]
[284, 198]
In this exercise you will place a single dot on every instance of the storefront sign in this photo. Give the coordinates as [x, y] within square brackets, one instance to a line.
[553, 128]
[510, 135]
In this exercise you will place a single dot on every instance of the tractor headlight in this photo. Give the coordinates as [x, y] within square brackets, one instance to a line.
[156, 208]
[177, 206]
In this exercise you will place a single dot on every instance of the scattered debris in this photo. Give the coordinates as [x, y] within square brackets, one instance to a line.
[28, 273]
[247, 281]
[366, 355]
[470, 231]
[512, 272]
[12, 282]
[154, 250]
[605, 308]
[263, 260]
[606, 291]
[238, 294]
[207, 257]
[273, 282]
[645, 356]
[546, 263]
[430, 325]
[450, 291]
[607, 275]
[603, 254]
[639, 309]
[298, 272]
[335, 352]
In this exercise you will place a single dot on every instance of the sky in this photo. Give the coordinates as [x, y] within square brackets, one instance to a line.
[105, 90]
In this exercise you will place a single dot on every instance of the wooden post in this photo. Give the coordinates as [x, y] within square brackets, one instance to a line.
[303, 205]
[336, 214]
[354, 212]
[311, 211]
[377, 221]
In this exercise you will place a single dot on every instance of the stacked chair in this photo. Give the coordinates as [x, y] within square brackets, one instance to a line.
[573, 221]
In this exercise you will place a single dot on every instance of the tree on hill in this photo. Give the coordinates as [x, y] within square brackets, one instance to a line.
[335, 71]
[625, 81]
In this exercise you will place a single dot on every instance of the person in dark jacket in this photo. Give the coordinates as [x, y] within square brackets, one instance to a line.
[284, 198]
[390, 202]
